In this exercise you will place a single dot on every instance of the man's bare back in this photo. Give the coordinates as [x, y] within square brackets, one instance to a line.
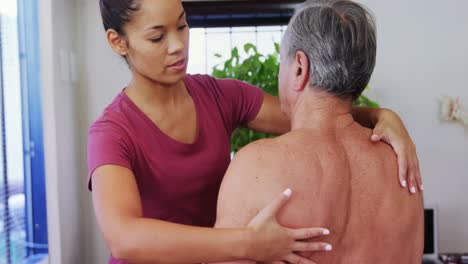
[341, 180]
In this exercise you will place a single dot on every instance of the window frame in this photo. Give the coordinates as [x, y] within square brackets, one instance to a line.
[34, 169]
[238, 13]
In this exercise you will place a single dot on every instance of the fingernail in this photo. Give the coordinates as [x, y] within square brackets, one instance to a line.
[403, 183]
[413, 189]
[326, 232]
[375, 137]
[288, 192]
[421, 188]
[328, 247]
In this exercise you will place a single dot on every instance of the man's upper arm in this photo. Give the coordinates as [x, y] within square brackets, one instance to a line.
[235, 204]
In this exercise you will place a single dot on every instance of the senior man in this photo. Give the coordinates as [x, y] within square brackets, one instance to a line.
[340, 179]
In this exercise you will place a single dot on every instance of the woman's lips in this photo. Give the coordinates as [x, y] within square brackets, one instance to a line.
[178, 66]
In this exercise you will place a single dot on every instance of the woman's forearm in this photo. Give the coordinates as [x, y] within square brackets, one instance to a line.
[270, 119]
[368, 116]
[153, 241]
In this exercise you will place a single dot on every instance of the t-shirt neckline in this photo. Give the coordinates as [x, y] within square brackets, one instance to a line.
[156, 127]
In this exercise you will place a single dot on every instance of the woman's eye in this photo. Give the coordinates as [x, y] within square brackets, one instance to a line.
[158, 39]
[182, 27]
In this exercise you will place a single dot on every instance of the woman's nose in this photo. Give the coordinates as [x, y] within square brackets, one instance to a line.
[176, 45]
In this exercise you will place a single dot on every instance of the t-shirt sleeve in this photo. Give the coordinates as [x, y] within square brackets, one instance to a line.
[107, 145]
[242, 102]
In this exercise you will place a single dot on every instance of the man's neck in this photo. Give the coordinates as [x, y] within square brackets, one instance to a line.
[319, 110]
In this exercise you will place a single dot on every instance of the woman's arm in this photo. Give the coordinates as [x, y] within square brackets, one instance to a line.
[270, 119]
[369, 117]
[135, 239]
[386, 124]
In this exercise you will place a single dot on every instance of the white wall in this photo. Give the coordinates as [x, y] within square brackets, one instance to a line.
[102, 75]
[422, 55]
[57, 36]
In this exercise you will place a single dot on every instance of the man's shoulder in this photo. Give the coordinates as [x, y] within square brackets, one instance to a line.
[259, 151]
[256, 164]
[251, 162]
[241, 190]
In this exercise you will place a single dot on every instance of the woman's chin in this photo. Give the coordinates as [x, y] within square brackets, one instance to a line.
[171, 78]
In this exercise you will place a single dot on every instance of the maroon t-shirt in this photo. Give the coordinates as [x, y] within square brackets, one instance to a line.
[178, 182]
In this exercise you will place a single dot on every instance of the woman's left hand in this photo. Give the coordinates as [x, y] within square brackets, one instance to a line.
[390, 128]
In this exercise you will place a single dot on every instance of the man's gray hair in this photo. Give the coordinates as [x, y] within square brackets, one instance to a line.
[339, 39]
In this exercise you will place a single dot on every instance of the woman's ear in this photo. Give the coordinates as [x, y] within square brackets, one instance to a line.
[117, 42]
[302, 69]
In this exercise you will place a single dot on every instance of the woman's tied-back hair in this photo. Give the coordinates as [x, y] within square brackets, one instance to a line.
[117, 13]
[339, 39]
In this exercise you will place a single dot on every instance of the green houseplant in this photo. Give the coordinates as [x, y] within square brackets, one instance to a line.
[261, 71]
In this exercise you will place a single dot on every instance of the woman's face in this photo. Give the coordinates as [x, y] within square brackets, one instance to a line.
[158, 39]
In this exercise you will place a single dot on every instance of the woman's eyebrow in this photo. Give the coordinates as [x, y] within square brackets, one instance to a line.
[161, 26]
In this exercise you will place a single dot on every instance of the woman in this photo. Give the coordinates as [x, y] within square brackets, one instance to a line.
[158, 153]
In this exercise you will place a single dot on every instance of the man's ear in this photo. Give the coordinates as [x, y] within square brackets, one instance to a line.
[302, 69]
[117, 42]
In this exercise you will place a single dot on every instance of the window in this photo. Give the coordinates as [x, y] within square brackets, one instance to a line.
[205, 43]
[23, 229]
[218, 28]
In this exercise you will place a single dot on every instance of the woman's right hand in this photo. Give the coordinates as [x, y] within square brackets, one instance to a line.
[274, 242]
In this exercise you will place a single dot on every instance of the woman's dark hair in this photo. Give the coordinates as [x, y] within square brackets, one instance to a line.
[117, 13]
